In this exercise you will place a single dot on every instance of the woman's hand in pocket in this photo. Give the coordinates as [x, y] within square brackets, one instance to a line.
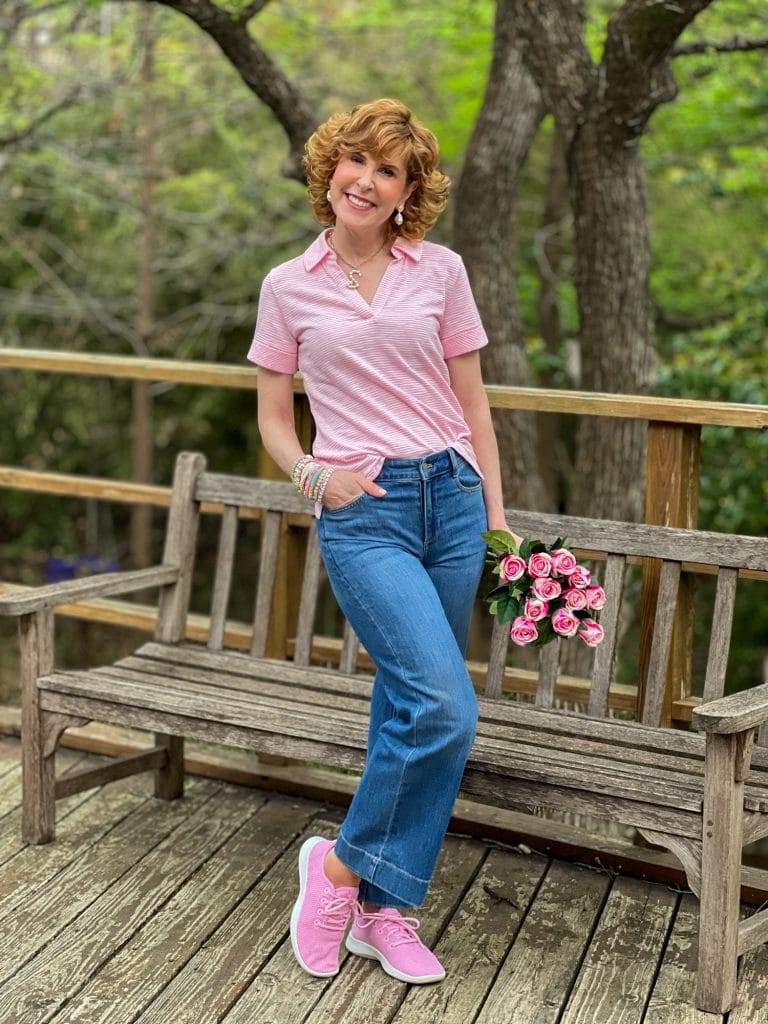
[344, 486]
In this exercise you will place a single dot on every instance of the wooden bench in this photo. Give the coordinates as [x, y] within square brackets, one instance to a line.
[700, 796]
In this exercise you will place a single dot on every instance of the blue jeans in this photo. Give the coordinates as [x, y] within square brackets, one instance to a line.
[405, 569]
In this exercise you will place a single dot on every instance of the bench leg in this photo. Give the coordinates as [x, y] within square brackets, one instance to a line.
[720, 876]
[169, 780]
[38, 793]
[38, 782]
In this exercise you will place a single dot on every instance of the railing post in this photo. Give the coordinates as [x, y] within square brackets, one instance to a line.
[671, 499]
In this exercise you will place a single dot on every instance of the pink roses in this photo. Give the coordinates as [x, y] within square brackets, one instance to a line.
[544, 593]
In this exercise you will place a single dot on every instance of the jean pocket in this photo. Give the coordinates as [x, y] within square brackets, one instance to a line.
[327, 510]
[467, 478]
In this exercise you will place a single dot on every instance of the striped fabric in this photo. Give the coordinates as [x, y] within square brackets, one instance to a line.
[375, 375]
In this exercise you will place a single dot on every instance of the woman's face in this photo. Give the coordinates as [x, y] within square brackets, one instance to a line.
[380, 182]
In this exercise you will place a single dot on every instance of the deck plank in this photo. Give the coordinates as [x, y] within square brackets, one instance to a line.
[477, 940]
[147, 967]
[672, 999]
[178, 913]
[10, 779]
[10, 824]
[361, 992]
[59, 970]
[617, 974]
[217, 975]
[33, 867]
[74, 889]
[534, 981]
[751, 1005]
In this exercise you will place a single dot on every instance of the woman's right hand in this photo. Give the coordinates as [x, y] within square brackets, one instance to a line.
[344, 486]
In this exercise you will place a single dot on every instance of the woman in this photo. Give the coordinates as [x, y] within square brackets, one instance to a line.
[404, 475]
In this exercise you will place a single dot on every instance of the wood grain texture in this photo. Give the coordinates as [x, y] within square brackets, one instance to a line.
[720, 875]
[605, 652]
[268, 555]
[35, 599]
[661, 644]
[222, 582]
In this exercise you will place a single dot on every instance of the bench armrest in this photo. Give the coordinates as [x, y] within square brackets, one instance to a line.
[34, 599]
[735, 713]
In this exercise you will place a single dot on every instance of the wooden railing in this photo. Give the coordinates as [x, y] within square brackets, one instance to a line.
[671, 489]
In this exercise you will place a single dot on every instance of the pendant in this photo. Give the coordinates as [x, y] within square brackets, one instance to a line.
[353, 279]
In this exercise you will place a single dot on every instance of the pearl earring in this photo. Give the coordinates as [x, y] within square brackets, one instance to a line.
[399, 216]
[328, 195]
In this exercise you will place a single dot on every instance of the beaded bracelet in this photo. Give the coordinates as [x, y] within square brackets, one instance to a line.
[310, 477]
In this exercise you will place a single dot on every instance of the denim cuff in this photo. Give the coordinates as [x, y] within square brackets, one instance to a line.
[386, 880]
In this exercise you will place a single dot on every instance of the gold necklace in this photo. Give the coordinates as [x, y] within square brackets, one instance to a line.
[354, 275]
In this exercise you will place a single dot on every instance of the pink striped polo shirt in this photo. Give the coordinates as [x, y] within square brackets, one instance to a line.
[375, 375]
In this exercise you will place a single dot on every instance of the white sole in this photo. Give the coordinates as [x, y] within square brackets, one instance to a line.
[363, 949]
[306, 848]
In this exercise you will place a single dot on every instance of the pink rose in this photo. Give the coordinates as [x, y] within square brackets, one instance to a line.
[523, 630]
[591, 632]
[563, 562]
[595, 596]
[536, 609]
[539, 564]
[545, 588]
[511, 567]
[580, 577]
[564, 622]
[574, 598]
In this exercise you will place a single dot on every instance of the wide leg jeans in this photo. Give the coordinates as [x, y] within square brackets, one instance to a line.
[405, 569]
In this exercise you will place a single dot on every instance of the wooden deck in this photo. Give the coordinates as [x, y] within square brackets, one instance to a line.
[177, 913]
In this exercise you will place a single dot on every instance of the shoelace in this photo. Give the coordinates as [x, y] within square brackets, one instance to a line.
[389, 925]
[335, 913]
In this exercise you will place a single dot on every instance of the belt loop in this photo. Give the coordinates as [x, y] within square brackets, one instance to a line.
[454, 462]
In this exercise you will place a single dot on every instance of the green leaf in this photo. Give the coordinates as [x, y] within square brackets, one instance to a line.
[500, 540]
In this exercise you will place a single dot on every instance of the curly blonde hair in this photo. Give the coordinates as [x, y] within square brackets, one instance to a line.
[387, 129]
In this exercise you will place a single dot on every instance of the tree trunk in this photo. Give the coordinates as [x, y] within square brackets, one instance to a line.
[617, 346]
[485, 233]
[554, 458]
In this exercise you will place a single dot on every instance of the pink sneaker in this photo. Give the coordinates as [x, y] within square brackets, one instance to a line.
[391, 939]
[321, 912]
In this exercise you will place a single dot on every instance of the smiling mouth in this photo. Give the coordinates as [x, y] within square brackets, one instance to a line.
[351, 196]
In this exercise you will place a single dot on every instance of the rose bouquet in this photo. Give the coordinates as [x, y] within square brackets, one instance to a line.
[542, 591]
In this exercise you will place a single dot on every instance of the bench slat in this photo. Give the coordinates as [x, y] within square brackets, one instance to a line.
[349, 650]
[331, 691]
[644, 539]
[497, 658]
[658, 662]
[268, 554]
[223, 578]
[549, 667]
[210, 707]
[720, 637]
[605, 652]
[559, 723]
[310, 587]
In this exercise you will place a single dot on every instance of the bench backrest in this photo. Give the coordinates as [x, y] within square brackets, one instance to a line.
[612, 539]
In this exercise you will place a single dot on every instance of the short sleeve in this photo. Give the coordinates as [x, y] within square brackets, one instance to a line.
[273, 344]
[461, 329]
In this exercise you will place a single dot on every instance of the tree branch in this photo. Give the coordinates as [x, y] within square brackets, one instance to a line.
[739, 44]
[555, 54]
[257, 69]
[19, 136]
[251, 9]
[639, 41]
